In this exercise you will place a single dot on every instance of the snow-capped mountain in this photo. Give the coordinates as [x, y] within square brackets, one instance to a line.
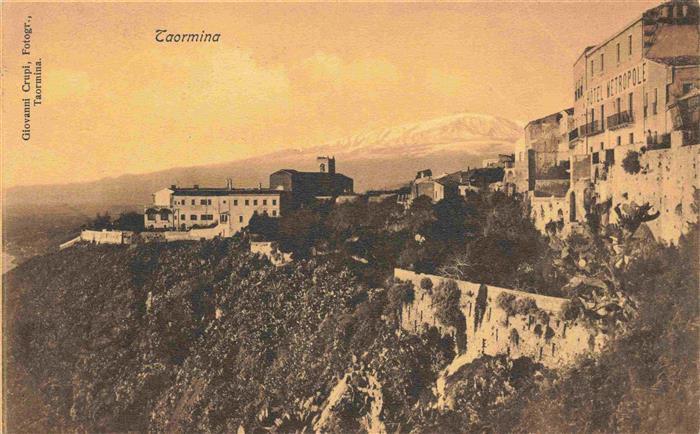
[475, 133]
[375, 159]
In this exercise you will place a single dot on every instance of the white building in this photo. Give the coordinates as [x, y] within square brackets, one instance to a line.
[228, 209]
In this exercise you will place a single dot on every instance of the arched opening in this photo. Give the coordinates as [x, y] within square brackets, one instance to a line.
[572, 207]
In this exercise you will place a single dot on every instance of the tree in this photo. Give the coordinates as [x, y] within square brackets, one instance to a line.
[446, 301]
[101, 222]
[299, 230]
[631, 163]
[399, 294]
[129, 221]
[264, 225]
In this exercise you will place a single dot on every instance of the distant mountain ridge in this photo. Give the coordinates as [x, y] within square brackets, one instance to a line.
[375, 159]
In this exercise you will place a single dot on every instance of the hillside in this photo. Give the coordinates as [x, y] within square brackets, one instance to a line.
[205, 337]
[444, 144]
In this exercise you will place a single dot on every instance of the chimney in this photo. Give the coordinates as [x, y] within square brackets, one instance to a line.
[196, 186]
[172, 186]
[229, 183]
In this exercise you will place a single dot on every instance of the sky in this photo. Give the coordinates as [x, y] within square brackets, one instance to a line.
[116, 101]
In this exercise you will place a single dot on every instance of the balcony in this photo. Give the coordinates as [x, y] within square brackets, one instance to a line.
[658, 142]
[620, 120]
[691, 137]
[590, 129]
[573, 134]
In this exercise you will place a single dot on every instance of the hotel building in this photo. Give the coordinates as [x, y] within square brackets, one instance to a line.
[636, 92]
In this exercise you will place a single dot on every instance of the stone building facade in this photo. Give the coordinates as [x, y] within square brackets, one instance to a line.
[633, 93]
[227, 209]
[305, 186]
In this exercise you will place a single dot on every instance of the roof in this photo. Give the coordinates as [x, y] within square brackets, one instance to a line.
[692, 94]
[677, 60]
[569, 111]
[222, 191]
[650, 13]
[315, 174]
[583, 53]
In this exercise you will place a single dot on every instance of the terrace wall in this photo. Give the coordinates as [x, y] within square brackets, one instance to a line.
[553, 342]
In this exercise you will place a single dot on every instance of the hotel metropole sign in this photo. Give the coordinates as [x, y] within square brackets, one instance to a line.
[617, 84]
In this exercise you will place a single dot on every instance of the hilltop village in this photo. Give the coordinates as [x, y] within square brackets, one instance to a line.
[626, 142]
[625, 154]
[551, 289]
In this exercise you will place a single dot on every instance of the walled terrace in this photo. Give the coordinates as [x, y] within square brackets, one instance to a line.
[542, 335]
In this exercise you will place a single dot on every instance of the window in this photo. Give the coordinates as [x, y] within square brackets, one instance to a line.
[183, 217]
[602, 62]
[610, 156]
[203, 202]
[646, 103]
[602, 145]
[247, 202]
[602, 116]
[224, 200]
[592, 69]
[255, 202]
[224, 218]
[192, 201]
[631, 138]
[193, 217]
[208, 201]
[274, 213]
[654, 106]
[274, 201]
[630, 101]
[596, 158]
[617, 105]
[619, 140]
[235, 202]
[629, 45]
[264, 201]
[240, 219]
[687, 87]
[618, 52]
[151, 217]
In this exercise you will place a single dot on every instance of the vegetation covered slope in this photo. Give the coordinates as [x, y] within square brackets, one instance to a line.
[203, 336]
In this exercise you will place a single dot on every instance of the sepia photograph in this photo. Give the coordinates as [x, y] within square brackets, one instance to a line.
[340, 217]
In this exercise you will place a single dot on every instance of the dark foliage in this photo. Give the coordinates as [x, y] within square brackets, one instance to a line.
[631, 163]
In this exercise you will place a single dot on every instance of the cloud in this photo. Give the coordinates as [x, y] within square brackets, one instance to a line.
[228, 86]
[325, 71]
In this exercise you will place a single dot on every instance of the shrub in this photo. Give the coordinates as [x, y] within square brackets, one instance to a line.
[447, 310]
[446, 303]
[514, 337]
[631, 163]
[538, 330]
[400, 293]
[513, 305]
[426, 284]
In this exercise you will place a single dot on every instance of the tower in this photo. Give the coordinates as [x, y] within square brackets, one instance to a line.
[326, 164]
